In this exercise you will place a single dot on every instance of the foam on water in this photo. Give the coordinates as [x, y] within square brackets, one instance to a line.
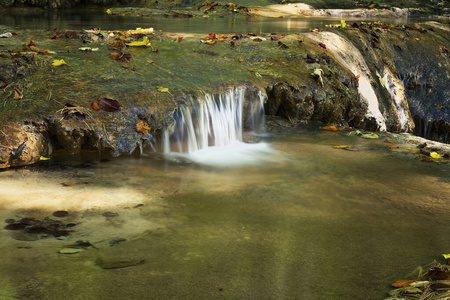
[229, 156]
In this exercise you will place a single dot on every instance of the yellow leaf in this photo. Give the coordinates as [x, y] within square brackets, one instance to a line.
[446, 256]
[44, 158]
[59, 62]
[150, 61]
[341, 147]
[343, 24]
[436, 155]
[144, 43]
[162, 89]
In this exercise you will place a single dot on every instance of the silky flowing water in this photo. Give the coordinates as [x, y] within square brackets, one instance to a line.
[305, 222]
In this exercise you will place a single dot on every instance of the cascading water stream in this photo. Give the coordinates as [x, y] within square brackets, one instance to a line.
[210, 130]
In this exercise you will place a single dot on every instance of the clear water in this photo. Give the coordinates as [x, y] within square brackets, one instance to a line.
[312, 223]
[73, 19]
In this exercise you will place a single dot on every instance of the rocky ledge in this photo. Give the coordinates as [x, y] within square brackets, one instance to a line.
[115, 91]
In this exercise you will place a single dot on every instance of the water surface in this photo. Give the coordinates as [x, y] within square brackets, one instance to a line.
[309, 222]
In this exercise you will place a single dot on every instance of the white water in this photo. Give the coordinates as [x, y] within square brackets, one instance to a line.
[210, 131]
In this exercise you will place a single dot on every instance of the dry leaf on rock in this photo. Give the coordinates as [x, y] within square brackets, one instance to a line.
[142, 127]
[106, 104]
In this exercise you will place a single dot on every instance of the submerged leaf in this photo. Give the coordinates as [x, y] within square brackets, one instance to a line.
[70, 251]
[106, 104]
[59, 62]
[393, 147]
[342, 147]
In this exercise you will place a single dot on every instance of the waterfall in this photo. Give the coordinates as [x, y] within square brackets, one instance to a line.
[211, 128]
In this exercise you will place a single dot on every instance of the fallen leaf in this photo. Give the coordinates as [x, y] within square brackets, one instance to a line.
[121, 56]
[58, 62]
[322, 45]
[180, 38]
[155, 50]
[106, 104]
[342, 147]
[402, 283]
[212, 36]
[330, 128]
[212, 42]
[436, 155]
[4, 165]
[17, 94]
[393, 147]
[162, 89]
[3, 84]
[240, 59]
[142, 127]
[70, 251]
[29, 43]
[143, 43]
[390, 141]
[369, 135]
[44, 158]
[150, 61]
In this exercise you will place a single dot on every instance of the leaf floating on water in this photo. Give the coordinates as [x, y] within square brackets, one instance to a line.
[17, 94]
[143, 43]
[369, 135]
[393, 147]
[390, 141]
[44, 158]
[70, 251]
[436, 155]
[330, 128]
[142, 127]
[57, 62]
[162, 89]
[106, 104]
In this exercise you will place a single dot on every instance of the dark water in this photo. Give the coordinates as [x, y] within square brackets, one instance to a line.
[308, 222]
[74, 19]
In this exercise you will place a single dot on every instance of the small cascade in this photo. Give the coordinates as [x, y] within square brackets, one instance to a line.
[216, 124]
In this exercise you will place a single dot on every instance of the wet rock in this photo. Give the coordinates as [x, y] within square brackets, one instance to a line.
[109, 214]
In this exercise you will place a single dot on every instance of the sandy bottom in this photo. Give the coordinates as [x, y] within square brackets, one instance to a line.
[316, 223]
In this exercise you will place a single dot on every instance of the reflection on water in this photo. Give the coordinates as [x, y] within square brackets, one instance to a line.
[317, 223]
[73, 19]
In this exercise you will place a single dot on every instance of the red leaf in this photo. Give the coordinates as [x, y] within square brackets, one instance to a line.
[322, 45]
[212, 36]
[106, 104]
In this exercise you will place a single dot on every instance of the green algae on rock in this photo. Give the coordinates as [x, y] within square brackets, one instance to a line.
[190, 68]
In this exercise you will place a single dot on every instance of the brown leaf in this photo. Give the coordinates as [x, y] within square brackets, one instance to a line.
[4, 165]
[106, 104]
[402, 283]
[241, 59]
[142, 127]
[393, 147]
[17, 94]
[29, 43]
[330, 128]
[212, 36]
[119, 56]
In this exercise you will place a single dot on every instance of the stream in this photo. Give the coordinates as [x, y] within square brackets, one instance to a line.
[307, 221]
